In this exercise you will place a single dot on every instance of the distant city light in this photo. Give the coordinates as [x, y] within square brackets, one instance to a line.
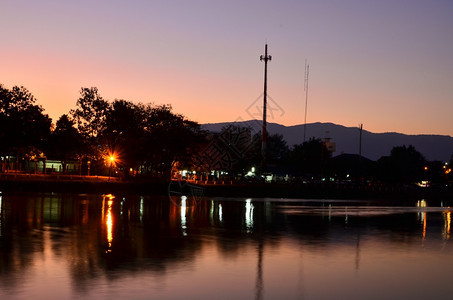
[423, 183]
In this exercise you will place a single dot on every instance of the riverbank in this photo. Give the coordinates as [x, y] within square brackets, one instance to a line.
[330, 191]
[78, 184]
[107, 185]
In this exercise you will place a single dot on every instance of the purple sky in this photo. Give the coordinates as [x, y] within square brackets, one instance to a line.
[386, 64]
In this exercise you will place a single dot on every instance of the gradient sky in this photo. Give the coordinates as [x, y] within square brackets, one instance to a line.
[386, 64]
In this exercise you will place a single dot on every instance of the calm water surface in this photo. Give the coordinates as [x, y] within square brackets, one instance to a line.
[66, 246]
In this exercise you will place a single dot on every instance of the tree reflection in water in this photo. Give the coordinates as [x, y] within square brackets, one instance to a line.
[204, 248]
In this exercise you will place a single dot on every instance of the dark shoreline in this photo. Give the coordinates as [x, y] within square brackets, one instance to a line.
[83, 184]
[78, 186]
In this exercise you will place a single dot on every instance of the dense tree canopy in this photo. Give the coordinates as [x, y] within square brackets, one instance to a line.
[168, 138]
[310, 157]
[150, 139]
[123, 133]
[147, 137]
[90, 113]
[25, 128]
[66, 142]
[277, 151]
[405, 164]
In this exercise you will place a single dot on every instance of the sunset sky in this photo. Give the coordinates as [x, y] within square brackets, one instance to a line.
[387, 64]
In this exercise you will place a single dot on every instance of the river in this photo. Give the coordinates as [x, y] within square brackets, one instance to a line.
[93, 246]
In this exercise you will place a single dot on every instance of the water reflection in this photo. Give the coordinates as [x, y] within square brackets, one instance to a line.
[183, 215]
[421, 217]
[108, 220]
[220, 212]
[141, 207]
[105, 246]
[249, 215]
[447, 224]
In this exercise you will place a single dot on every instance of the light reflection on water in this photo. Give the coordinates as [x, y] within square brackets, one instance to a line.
[61, 246]
[109, 221]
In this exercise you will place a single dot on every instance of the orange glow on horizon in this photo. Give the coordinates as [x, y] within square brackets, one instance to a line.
[218, 83]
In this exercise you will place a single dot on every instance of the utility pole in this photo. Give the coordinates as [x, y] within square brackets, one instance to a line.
[266, 58]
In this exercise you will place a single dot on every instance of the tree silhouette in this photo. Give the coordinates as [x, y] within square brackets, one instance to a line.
[310, 158]
[66, 143]
[168, 138]
[277, 152]
[404, 165]
[277, 149]
[123, 134]
[25, 128]
[152, 138]
[90, 113]
[89, 116]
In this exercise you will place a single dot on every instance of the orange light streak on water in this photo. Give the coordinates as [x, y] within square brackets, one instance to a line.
[109, 224]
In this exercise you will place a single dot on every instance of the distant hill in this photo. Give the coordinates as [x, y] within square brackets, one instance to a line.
[374, 145]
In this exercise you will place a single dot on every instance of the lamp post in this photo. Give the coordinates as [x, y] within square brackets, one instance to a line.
[112, 160]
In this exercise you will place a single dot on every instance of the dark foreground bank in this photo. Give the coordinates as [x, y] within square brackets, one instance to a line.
[78, 184]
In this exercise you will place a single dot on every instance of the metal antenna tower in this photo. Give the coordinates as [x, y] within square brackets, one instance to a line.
[307, 69]
[266, 58]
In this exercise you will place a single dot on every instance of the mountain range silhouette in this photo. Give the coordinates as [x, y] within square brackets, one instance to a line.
[347, 139]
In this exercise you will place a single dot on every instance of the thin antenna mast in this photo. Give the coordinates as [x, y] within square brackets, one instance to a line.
[360, 149]
[307, 69]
